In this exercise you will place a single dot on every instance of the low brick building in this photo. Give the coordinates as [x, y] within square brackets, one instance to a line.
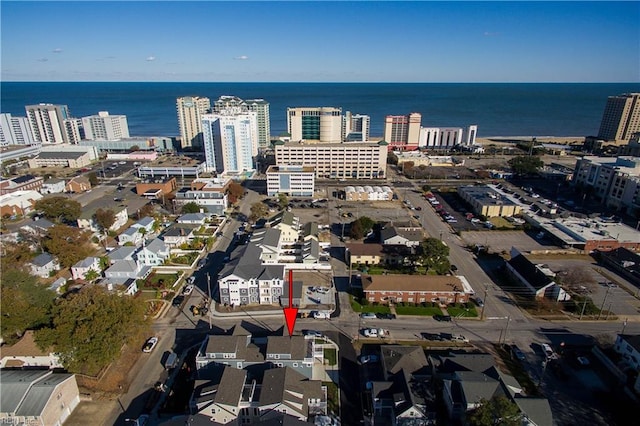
[397, 288]
[156, 188]
[78, 184]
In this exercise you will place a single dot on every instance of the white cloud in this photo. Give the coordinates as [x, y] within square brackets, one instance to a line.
[151, 58]
[490, 34]
[241, 58]
[57, 50]
[42, 60]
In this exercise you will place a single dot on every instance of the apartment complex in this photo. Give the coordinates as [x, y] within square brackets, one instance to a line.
[15, 131]
[615, 180]
[402, 132]
[336, 160]
[447, 137]
[230, 140]
[621, 118]
[103, 126]
[209, 194]
[259, 106]
[190, 110]
[355, 127]
[315, 125]
[295, 181]
[52, 124]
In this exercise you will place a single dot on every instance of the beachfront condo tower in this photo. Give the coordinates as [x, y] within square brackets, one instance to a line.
[621, 118]
[52, 124]
[230, 140]
[105, 127]
[402, 132]
[355, 127]
[259, 106]
[15, 130]
[190, 110]
[315, 125]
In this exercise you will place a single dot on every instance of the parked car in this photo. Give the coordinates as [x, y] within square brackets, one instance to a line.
[389, 316]
[548, 352]
[370, 332]
[150, 344]
[191, 279]
[517, 352]
[459, 338]
[187, 290]
[366, 359]
[479, 301]
[321, 315]
[322, 290]
[445, 318]
[368, 315]
[432, 336]
[312, 333]
[583, 361]
[177, 301]
[202, 262]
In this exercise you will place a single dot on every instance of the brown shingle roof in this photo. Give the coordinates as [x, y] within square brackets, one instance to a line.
[400, 282]
[365, 249]
[23, 347]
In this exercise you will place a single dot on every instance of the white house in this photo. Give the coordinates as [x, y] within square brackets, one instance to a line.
[86, 220]
[146, 223]
[80, 269]
[43, 264]
[392, 235]
[52, 186]
[25, 353]
[154, 253]
[193, 218]
[123, 270]
[288, 224]
[628, 346]
[130, 235]
[177, 235]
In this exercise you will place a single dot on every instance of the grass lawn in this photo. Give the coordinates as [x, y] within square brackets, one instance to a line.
[459, 311]
[333, 398]
[418, 310]
[158, 281]
[186, 259]
[502, 223]
[331, 356]
[357, 307]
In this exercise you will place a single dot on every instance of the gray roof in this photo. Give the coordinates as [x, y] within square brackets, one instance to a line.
[123, 266]
[156, 246]
[179, 230]
[121, 253]
[144, 222]
[42, 224]
[227, 344]
[476, 386]
[536, 409]
[397, 357]
[52, 181]
[282, 385]
[310, 228]
[388, 232]
[69, 155]
[284, 217]
[470, 362]
[86, 262]
[231, 385]
[26, 392]
[192, 217]
[245, 263]
[267, 237]
[295, 345]
[130, 231]
[42, 259]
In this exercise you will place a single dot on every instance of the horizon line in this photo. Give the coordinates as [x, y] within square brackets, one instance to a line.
[325, 82]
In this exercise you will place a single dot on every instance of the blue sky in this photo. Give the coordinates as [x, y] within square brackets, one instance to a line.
[364, 41]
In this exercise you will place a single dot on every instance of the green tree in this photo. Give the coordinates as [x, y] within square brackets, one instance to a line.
[91, 275]
[142, 231]
[59, 209]
[68, 244]
[25, 304]
[498, 411]
[93, 178]
[525, 164]
[434, 254]
[258, 211]
[105, 218]
[361, 227]
[89, 328]
[392, 158]
[283, 200]
[191, 207]
[134, 148]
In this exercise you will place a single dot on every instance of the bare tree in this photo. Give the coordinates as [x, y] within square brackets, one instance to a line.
[577, 279]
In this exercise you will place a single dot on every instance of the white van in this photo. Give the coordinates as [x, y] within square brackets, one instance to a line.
[321, 315]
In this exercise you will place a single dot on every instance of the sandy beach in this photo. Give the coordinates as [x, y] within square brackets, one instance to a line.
[509, 140]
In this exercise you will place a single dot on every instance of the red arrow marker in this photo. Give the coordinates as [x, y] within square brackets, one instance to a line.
[290, 313]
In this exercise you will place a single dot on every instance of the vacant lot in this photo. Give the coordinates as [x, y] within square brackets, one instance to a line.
[498, 241]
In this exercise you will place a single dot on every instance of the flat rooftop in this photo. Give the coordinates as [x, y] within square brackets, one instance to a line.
[290, 169]
[486, 195]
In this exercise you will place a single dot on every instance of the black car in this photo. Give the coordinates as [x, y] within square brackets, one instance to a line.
[432, 336]
[517, 352]
[177, 301]
[388, 316]
[445, 318]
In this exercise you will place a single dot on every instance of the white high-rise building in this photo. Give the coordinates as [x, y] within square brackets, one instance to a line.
[230, 140]
[355, 127]
[259, 106]
[316, 125]
[15, 131]
[447, 137]
[190, 111]
[103, 127]
[52, 124]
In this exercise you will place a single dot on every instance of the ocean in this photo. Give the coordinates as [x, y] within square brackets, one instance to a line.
[499, 109]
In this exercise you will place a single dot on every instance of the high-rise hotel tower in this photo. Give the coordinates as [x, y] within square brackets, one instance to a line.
[190, 110]
[52, 124]
[259, 106]
[402, 131]
[315, 125]
[621, 118]
[230, 140]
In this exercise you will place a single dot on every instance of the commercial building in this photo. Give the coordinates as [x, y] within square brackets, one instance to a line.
[295, 181]
[190, 110]
[230, 140]
[53, 186]
[105, 127]
[315, 124]
[395, 288]
[336, 160]
[18, 203]
[355, 127]
[614, 180]
[90, 150]
[259, 106]
[368, 193]
[15, 131]
[537, 279]
[419, 158]
[72, 160]
[402, 132]
[621, 118]
[21, 183]
[52, 124]
[19, 152]
[447, 137]
[487, 202]
[142, 143]
[78, 184]
[156, 188]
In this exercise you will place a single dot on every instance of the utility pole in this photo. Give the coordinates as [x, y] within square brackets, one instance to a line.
[604, 301]
[210, 307]
[584, 305]
[624, 325]
[486, 292]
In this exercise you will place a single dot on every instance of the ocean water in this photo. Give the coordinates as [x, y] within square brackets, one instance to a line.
[499, 109]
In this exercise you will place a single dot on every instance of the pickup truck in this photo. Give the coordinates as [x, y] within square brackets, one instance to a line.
[172, 361]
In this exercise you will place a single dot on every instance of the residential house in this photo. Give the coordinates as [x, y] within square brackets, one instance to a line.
[87, 220]
[78, 184]
[193, 218]
[43, 265]
[154, 253]
[80, 269]
[537, 279]
[269, 241]
[395, 288]
[145, 223]
[122, 253]
[38, 227]
[25, 353]
[176, 235]
[37, 397]
[53, 186]
[628, 346]
[376, 254]
[131, 236]
[391, 235]
[284, 390]
[403, 396]
[123, 270]
[244, 279]
[287, 224]
[57, 285]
